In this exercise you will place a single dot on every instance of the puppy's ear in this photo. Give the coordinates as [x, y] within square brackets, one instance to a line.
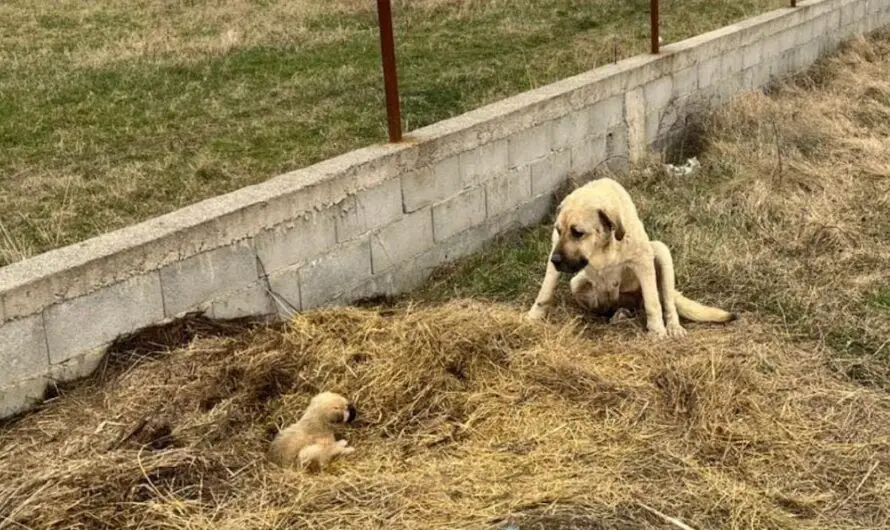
[611, 226]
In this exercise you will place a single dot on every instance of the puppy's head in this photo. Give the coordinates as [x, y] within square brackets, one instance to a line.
[331, 408]
[583, 235]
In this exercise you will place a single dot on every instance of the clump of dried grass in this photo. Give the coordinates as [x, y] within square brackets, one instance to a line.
[469, 417]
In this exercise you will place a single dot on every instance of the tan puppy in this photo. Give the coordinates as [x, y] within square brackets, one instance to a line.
[311, 440]
[599, 237]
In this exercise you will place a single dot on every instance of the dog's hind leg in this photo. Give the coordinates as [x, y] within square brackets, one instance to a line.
[664, 269]
[675, 304]
[645, 272]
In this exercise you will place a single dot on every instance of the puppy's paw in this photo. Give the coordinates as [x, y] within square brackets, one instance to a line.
[621, 314]
[347, 450]
[341, 443]
[676, 330]
[536, 314]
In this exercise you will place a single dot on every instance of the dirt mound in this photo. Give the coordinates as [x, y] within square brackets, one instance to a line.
[469, 417]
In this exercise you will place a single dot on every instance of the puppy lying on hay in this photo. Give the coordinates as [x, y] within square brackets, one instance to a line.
[311, 442]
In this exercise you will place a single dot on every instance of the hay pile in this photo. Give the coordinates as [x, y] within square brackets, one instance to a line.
[469, 418]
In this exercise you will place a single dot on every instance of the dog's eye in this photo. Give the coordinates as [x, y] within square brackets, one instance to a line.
[576, 233]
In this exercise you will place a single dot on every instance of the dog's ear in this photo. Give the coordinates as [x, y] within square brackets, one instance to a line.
[611, 226]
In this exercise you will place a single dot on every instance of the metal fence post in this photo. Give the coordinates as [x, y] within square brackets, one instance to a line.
[653, 22]
[390, 80]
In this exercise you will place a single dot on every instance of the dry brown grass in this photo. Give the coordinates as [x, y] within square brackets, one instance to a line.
[471, 418]
[789, 215]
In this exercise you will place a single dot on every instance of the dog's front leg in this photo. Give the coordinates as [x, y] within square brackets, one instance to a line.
[545, 294]
[645, 272]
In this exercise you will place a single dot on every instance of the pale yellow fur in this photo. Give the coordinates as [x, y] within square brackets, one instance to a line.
[311, 441]
[621, 262]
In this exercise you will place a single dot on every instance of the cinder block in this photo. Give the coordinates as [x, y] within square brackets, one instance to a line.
[549, 173]
[570, 129]
[685, 82]
[508, 190]
[848, 14]
[616, 150]
[78, 366]
[401, 240]
[425, 186]
[588, 155]
[529, 145]
[758, 75]
[635, 118]
[659, 93]
[91, 321]
[535, 210]
[605, 114]
[771, 48]
[22, 350]
[297, 242]
[751, 55]
[732, 63]
[369, 209]
[485, 162]
[285, 291]
[458, 213]
[253, 300]
[456, 247]
[660, 124]
[197, 280]
[709, 72]
[338, 271]
[22, 396]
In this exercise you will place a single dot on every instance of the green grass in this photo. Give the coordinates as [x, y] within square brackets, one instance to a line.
[880, 299]
[112, 112]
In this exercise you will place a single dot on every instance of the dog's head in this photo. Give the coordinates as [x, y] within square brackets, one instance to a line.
[331, 408]
[583, 235]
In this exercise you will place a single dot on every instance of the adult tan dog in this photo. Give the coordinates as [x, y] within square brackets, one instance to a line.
[600, 238]
[311, 442]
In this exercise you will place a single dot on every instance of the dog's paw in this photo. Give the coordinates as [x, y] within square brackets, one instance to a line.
[536, 314]
[658, 332]
[676, 331]
[347, 450]
[341, 443]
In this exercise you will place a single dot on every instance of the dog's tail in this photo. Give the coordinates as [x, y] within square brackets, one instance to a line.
[698, 312]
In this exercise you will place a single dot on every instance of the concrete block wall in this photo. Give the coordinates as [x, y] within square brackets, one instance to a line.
[378, 220]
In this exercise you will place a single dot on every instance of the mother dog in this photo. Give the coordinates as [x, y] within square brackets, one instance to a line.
[599, 237]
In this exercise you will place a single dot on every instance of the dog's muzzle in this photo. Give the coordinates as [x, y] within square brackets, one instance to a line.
[566, 265]
[350, 413]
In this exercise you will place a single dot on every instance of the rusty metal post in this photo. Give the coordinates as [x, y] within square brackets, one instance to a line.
[653, 21]
[390, 80]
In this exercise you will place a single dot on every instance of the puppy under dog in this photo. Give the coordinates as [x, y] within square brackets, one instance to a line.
[310, 443]
[600, 239]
